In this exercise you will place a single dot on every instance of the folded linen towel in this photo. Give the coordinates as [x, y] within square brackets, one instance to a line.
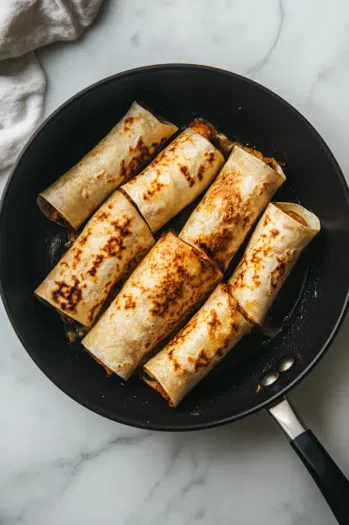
[26, 25]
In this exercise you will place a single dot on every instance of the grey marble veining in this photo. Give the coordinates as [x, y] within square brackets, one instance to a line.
[61, 464]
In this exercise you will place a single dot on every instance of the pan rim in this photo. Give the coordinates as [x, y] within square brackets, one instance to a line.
[37, 360]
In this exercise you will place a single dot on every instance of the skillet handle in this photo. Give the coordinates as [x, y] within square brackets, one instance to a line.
[326, 474]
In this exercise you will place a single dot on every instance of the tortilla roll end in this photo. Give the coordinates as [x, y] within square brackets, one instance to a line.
[282, 233]
[215, 329]
[155, 385]
[201, 127]
[113, 161]
[114, 239]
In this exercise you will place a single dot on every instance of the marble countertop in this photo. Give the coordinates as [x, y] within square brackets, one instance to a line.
[60, 463]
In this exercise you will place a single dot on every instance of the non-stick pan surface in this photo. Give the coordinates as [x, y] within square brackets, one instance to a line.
[309, 309]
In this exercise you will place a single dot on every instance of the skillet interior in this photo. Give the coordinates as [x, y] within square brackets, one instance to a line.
[310, 307]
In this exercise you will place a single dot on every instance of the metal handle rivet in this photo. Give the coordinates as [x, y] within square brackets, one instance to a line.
[286, 363]
[269, 378]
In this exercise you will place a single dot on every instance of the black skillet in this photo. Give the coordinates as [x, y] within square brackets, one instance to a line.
[303, 321]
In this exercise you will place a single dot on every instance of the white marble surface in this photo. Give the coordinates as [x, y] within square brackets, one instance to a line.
[61, 464]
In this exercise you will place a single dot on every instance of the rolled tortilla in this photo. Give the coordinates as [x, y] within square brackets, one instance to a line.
[221, 221]
[126, 148]
[175, 177]
[170, 281]
[283, 231]
[198, 347]
[111, 243]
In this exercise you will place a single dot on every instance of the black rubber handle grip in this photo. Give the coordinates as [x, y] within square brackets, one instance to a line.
[328, 477]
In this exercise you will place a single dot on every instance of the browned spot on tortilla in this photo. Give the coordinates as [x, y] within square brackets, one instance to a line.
[130, 303]
[64, 263]
[278, 272]
[234, 212]
[201, 172]
[215, 246]
[171, 289]
[97, 261]
[123, 229]
[76, 256]
[185, 171]
[267, 219]
[235, 326]
[239, 275]
[84, 236]
[184, 277]
[67, 296]
[139, 155]
[166, 157]
[274, 233]
[202, 360]
[128, 122]
[115, 244]
[256, 259]
[154, 187]
[213, 323]
[174, 281]
[210, 157]
[176, 365]
[102, 215]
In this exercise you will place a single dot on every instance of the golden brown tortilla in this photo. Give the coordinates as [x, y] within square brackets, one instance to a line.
[282, 233]
[113, 241]
[170, 281]
[198, 347]
[221, 221]
[118, 156]
[175, 177]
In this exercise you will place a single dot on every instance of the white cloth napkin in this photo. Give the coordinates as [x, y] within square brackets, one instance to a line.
[26, 25]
